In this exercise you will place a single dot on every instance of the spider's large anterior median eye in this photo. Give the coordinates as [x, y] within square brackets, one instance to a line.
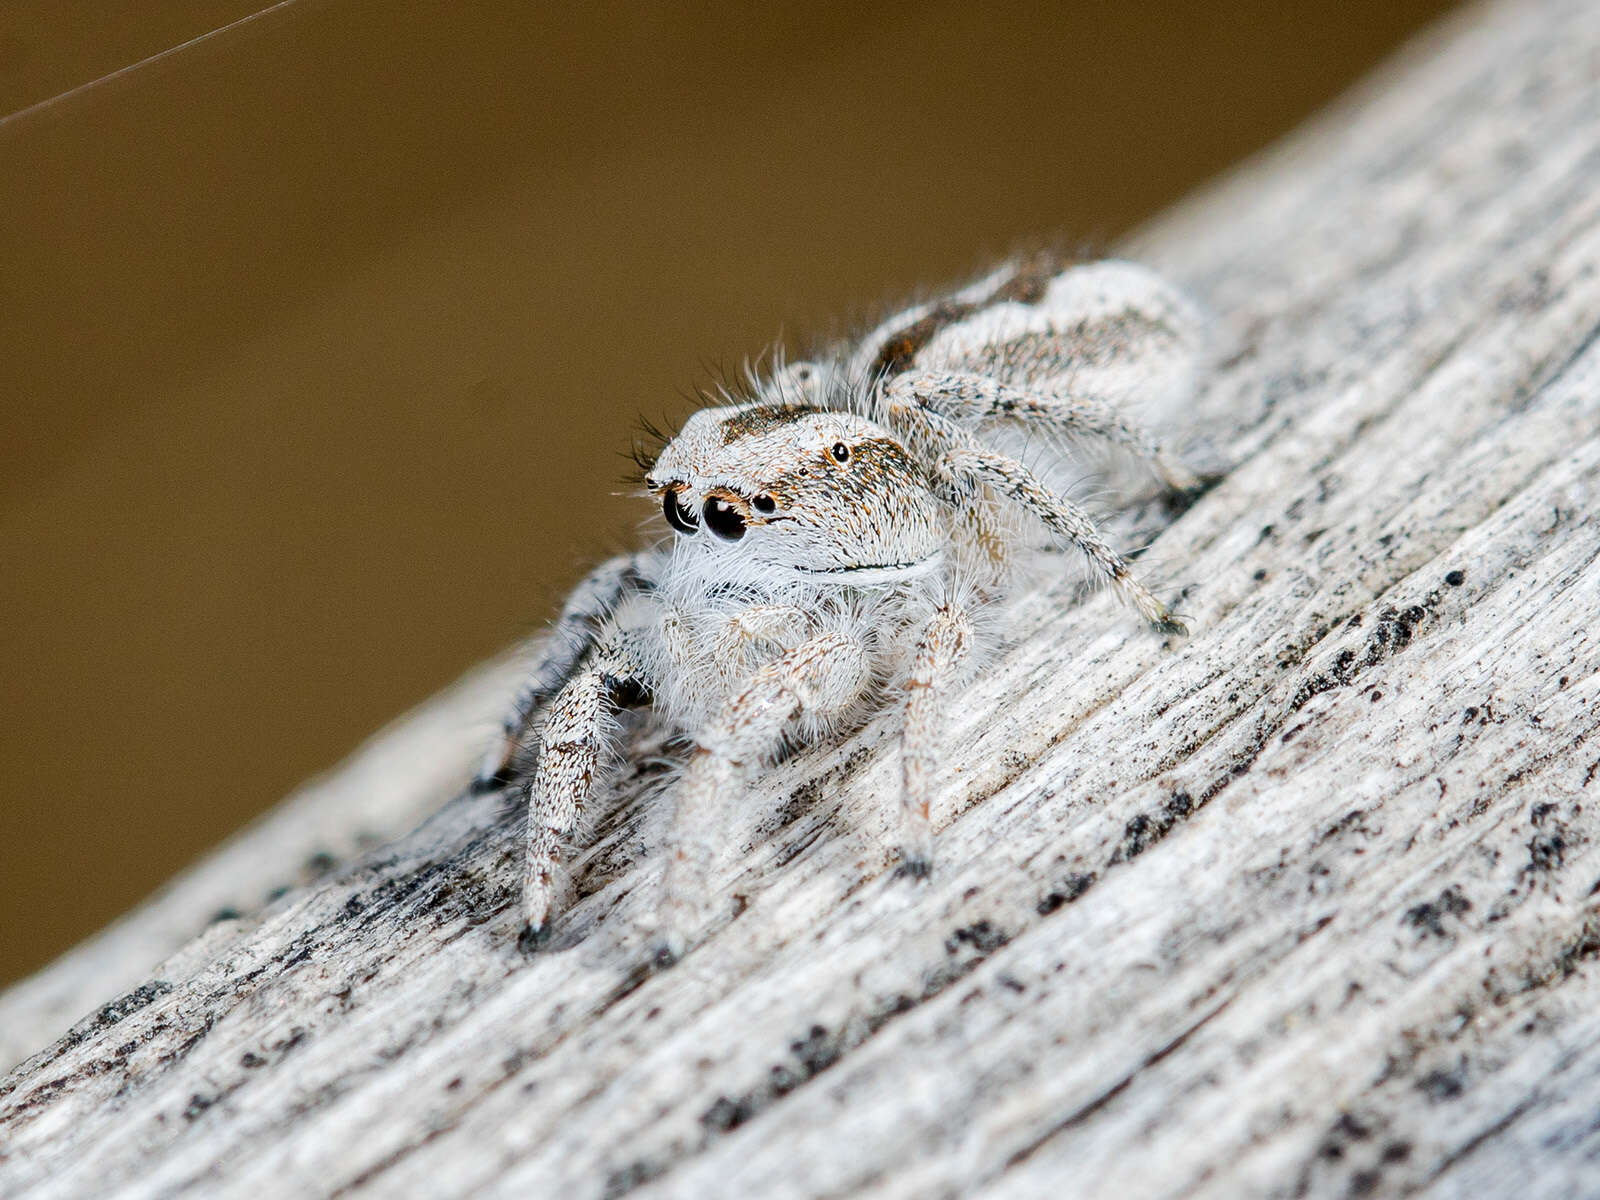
[679, 517]
[723, 519]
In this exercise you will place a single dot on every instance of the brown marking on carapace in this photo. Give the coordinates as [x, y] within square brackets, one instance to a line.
[881, 454]
[763, 418]
[874, 458]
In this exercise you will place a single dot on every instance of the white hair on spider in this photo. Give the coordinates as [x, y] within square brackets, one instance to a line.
[840, 537]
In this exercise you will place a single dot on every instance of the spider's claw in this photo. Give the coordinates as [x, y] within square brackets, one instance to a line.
[533, 938]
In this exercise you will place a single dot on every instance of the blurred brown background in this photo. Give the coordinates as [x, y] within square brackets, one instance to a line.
[320, 337]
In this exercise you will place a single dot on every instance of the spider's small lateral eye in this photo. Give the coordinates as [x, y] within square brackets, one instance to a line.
[764, 503]
[679, 517]
[723, 519]
[839, 452]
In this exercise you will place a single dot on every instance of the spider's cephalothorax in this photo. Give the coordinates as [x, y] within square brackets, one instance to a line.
[831, 537]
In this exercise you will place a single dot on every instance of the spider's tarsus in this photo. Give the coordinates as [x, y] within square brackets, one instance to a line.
[1171, 626]
[533, 938]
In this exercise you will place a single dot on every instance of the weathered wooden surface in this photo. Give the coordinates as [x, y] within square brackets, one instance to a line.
[1305, 905]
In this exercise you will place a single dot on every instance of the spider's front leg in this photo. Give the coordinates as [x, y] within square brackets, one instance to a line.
[943, 651]
[573, 636]
[577, 732]
[820, 677]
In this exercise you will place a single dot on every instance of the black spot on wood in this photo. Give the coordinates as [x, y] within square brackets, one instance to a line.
[982, 936]
[816, 1051]
[726, 1114]
[1429, 918]
[1064, 893]
[1440, 1086]
[123, 1006]
[197, 1105]
[1146, 829]
[1545, 851]
[1392, 633]
[626, 1179]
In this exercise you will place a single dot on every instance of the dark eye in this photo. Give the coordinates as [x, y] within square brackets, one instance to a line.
[677, 515]
[723, 519]
[764, 503]
[840, 452]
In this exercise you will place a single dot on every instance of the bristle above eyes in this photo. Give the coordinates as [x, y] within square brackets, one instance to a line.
[646, 447]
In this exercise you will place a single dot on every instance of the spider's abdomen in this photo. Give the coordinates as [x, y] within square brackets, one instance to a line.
[1113, 329]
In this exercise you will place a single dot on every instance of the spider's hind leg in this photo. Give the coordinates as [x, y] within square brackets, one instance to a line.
[961, 467]
[1079, 415]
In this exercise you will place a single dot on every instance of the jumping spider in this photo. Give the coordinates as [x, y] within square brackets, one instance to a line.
[833, 537]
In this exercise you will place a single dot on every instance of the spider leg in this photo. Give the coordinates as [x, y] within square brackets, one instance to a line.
[978, 397]
[573, 636]
[783, 626]
[576, 734]
[823, 675]
[943, 650]
[961, 465]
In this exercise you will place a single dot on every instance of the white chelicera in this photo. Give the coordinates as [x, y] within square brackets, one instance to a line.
[837, 539]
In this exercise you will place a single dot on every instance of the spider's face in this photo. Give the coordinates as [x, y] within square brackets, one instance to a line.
[798, 492]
